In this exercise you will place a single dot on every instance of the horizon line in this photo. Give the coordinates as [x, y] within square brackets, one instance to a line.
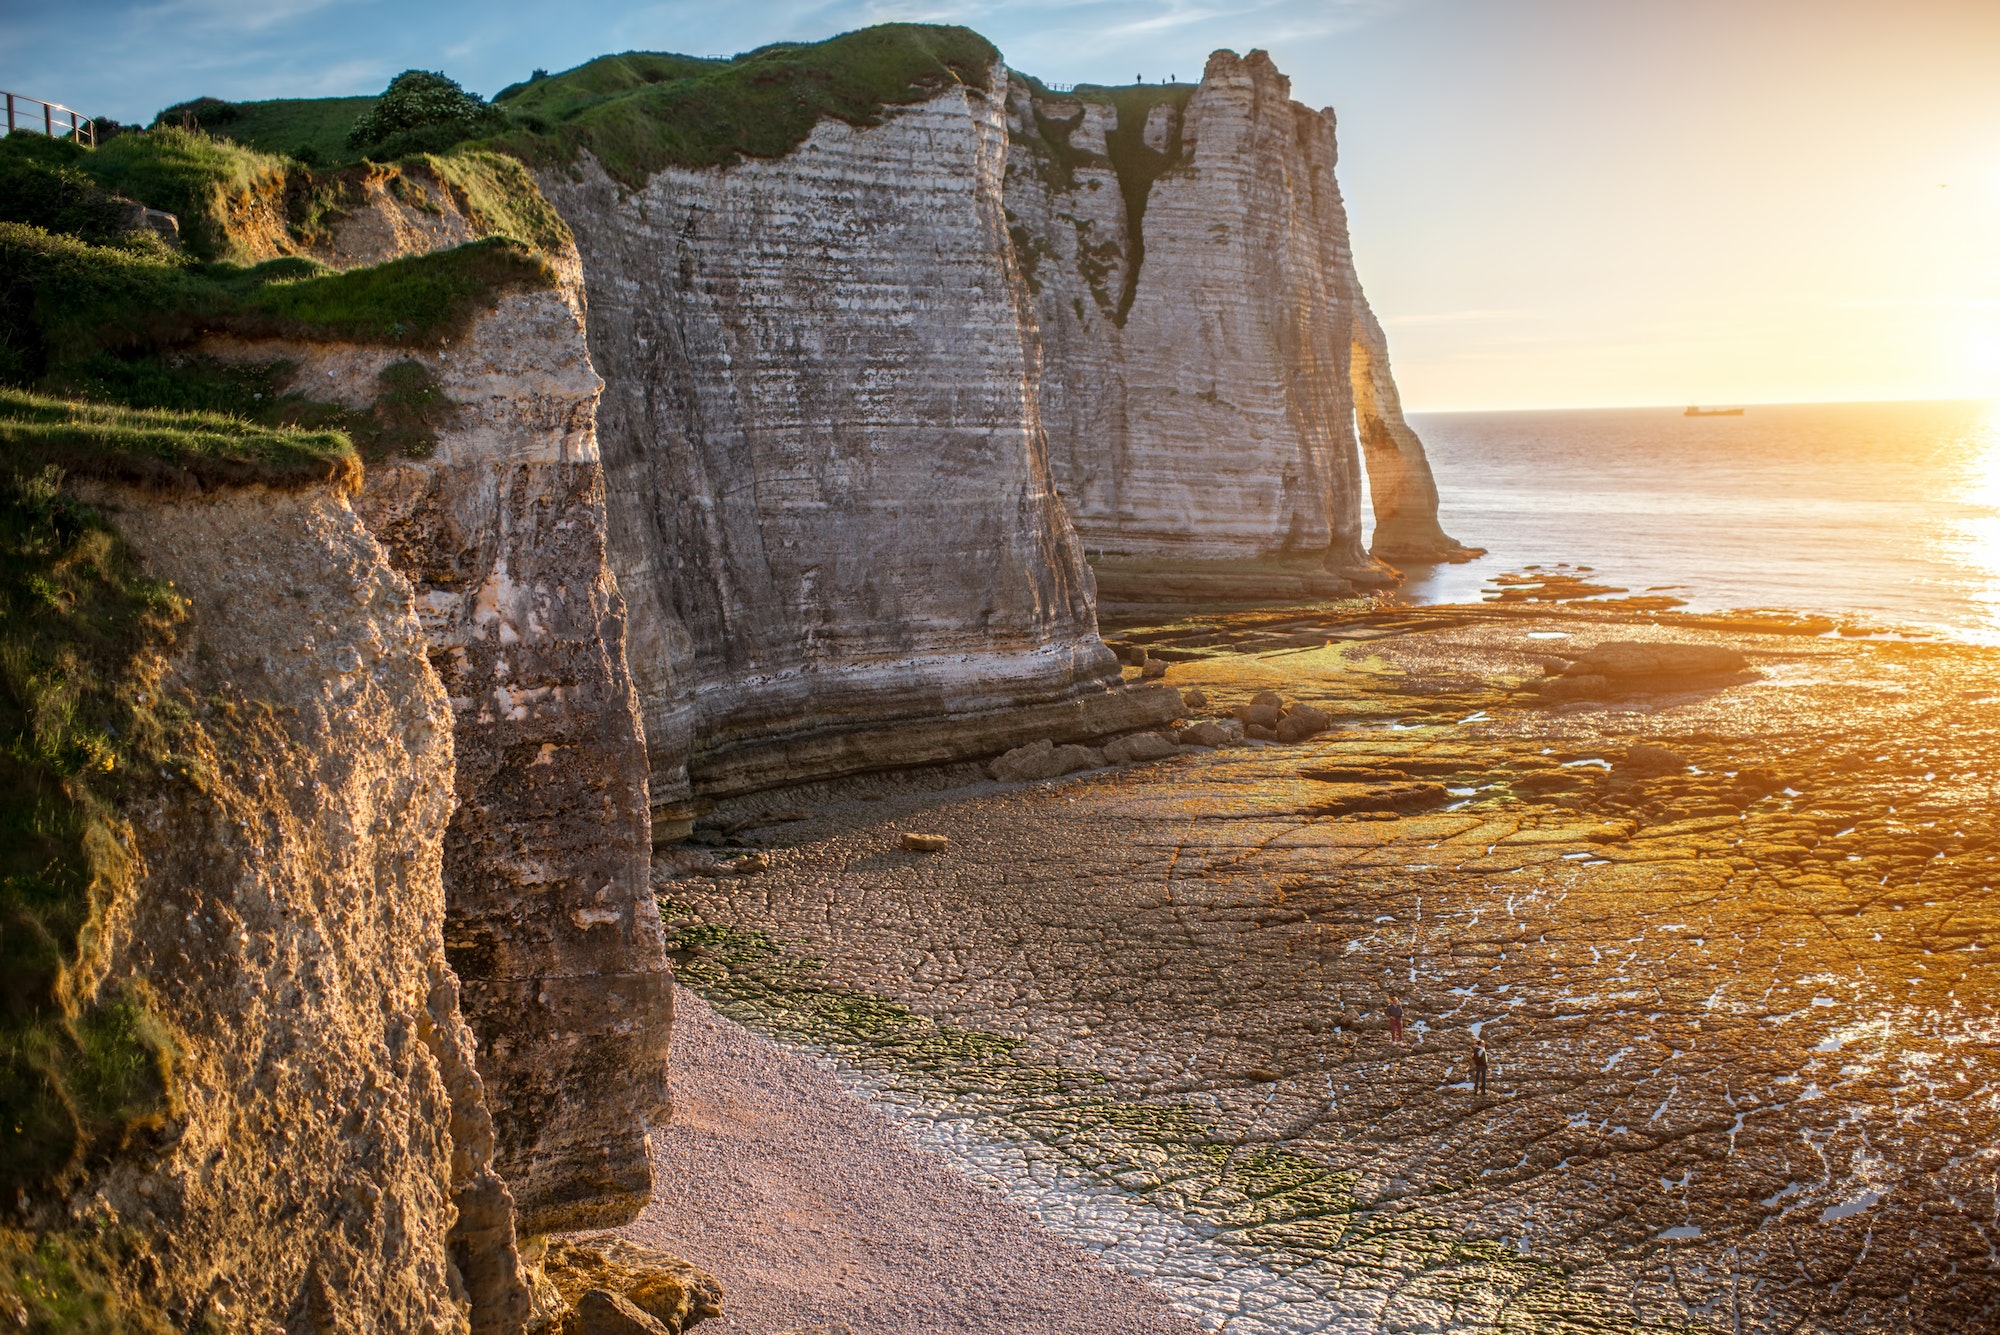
[1714, 403]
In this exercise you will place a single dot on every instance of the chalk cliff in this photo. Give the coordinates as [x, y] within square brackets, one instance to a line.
[552, 928]
[1205, 340]
[830, 507]
[284, 912]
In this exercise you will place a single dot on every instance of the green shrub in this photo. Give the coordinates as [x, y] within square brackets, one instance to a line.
[421, 112]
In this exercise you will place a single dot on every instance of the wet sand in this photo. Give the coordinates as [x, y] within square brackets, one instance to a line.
[1742, 1010]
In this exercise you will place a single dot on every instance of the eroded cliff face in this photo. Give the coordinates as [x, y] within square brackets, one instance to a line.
[551, 926]
[830, 507]
[1205, 340]
[285, 912]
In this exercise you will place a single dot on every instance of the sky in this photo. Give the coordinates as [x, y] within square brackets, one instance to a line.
[1555, 203]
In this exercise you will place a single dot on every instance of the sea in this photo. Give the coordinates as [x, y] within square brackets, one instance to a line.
[1883, 515]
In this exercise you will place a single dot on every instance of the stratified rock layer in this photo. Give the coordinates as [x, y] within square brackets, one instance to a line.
[552, 928]
[1206, 343]
[830, 506]
[286, 912]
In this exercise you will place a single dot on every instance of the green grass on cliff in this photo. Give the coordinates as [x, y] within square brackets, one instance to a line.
[639, 113]
[312, 130]
[82, 1070]
[162, 447]
[65, 302]
[210, 185]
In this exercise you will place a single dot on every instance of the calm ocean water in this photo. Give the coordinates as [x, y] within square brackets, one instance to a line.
[1885, 511]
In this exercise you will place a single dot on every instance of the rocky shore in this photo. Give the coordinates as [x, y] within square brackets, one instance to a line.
[1727, 958]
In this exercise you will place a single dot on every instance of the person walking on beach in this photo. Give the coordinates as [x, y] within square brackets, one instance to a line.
[1479, 1066]
[1395, 1014]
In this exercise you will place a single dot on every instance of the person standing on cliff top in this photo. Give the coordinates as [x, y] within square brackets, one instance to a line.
[1395, 1014]
[1479, 1066]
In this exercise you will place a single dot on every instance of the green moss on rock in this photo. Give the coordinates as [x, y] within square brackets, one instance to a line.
[82, 1069]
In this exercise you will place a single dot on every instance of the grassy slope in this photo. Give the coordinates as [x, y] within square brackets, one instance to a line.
[759, 105]
[283, 126]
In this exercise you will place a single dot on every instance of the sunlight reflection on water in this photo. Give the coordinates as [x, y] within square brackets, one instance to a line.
[1885, 512]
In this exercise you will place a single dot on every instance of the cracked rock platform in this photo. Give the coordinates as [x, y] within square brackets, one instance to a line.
[1727, 939]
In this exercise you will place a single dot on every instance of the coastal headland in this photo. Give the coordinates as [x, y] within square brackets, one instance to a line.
[857, 534]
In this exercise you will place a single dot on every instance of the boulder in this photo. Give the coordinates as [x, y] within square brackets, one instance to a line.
[1073, 758]
[1024, 764]
[1271, 698]
[1193, 698]
[602, 1312]
[1139, 746]
[1258, 733]
[1302, 722]
[1258, 715]
[1154, 669]
[1043, 760]
[925, 843]
[1205, 734]
[614, 1287]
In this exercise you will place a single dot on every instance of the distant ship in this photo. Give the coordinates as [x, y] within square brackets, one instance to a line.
[1693, 411]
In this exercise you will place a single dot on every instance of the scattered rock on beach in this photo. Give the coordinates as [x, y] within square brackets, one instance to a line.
[1043, 760]
[1139, 746]
[1194, 698]
[613, 1287]
[1036, 760]
[925, 843]
[1301, 722]
[1154, 668]
[1205, 733]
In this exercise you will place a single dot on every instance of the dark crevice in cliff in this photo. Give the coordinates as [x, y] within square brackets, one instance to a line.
[1138, 165]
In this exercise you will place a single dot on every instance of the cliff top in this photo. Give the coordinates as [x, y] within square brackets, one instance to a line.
[638, 113]
[641, 111]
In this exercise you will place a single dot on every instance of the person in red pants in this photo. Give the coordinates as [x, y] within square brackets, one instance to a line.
[1395, 1014]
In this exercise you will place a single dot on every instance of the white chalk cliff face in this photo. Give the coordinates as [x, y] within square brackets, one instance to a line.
[552, 928]
[1204, 335]
[830, 507]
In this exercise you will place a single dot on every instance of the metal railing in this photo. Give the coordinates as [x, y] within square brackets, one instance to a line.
[54, 116]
